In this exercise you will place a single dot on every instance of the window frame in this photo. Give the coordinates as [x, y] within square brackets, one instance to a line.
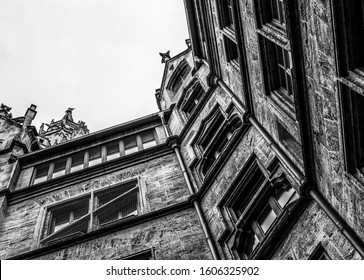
[351, 115]
[86, 156]
[49, 235]
[210, 138]
[275, 42]
[178, 76]
[226, 23]
[193, 95]
[319, 253]
[253, 190]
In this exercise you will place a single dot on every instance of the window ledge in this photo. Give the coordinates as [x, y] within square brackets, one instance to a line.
[285, 103]
[355, 80]
[275, 35]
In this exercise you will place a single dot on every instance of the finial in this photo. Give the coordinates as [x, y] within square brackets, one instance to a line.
[165, 56]
[188, 42]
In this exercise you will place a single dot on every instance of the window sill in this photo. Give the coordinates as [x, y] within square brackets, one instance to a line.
[284, 103]
[354, 80]
[275, 35]
[229, 32]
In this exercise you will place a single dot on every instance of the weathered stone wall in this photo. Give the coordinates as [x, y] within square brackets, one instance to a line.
[174, 237]
[312, 229]
[8, 131]
[341, 189]
[162, 185]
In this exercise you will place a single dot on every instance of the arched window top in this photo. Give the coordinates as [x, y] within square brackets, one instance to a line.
[215, 134]
[178, 76]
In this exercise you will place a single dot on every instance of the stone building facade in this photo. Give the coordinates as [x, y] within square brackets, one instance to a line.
[256, 152]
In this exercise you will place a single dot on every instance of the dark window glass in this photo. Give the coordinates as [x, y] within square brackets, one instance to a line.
[112, 151]
[131, 145]
[94, 156]
[277, 11]
[41, 174]
[77, 162]
[59, 168]
[148, 139]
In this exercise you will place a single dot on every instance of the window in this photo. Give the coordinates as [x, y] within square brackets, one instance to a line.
[77, 162]
[353, 117]
[192, 99]
[231, 51]
[68, 214]
[284, 63]
[350, 28]
[350, 45]
[277, 63]
[259, 225]
[94, 156]
[178, 76]
[92, 211]
[213, 137]
[112, 151]
[225, 10]
[225, 13]
[279, 71]
[277, 12]
[148, 139]
[131, 145]
[144, 255]
[256, 206]
[41, 174]
[319, 254]
[59, 168]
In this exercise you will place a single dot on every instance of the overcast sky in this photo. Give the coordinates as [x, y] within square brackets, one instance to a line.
[97, 56]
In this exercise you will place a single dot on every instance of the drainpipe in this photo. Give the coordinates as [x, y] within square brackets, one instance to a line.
[194, 200]
[339, 222]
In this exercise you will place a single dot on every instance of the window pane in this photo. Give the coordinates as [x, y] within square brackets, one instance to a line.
[112, 151]
[130, 145]
[60, 221]
[80, 211]
[279, 52]
[77, 162]
[274, 8]
[266, 219]
[60, 226]
[281, 19]
[59, 168]
[124, 206]
[148, 139]
[250, 241]
[284, 197]
[94, 156]
[41, 174]
[282, 78]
